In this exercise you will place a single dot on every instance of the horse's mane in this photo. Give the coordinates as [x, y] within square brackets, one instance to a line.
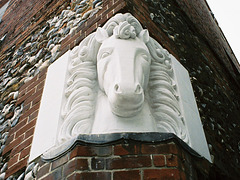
[81, 90]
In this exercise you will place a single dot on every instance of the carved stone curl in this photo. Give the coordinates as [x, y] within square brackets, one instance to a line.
[121, 80]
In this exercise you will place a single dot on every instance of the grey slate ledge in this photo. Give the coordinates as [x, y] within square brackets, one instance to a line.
[113, 139]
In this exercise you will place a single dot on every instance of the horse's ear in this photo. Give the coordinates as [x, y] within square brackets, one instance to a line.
[144, 35]
[101, 35]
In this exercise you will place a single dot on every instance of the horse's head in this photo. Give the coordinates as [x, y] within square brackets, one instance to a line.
[123, 65]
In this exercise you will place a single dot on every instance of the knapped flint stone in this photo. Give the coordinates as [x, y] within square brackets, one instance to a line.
[47, 56]
[83, 1]
[66, 31]
[42, 44]
[23, 68]
[34, 170]
[98, 4]
[41, 53]
[81, 22]
[34, 37]
[15, 121]
[13, 81]
[32, 60]
[1, 121]
[56, 40]
[34, 44]
[5, 81]
[72, 18]
[2, 148]
[95, 2]
[58, 24]
[54, 30]
[21, 177]
[30, 167]
[51, 47]
[49, 43]
[33, 51]
[4, 168]
[10, 178]
[44, 29]
[2, 176]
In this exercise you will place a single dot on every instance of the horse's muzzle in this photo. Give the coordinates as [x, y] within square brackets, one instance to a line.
[126, 102]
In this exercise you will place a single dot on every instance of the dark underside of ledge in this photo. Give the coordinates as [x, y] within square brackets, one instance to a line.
[112, 139]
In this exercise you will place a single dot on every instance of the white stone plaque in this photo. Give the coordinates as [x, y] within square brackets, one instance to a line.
[118, 79]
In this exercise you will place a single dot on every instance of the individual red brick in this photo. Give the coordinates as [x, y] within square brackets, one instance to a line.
[159, 160]
[93, 20]
[159, 149]
[43, 170]
[128, 162]
[95, 175]
[172, 161]
[35, 107]
[24, 97]
[9, 139]
[33, 116]
[97, 163]
[22, 145]
[59, 162]
[101, 21]
[64, 48]
[127, 175]
[110, 14]
[40, 85]
[79, 39]
[26, 106]
[54, 175]
[25, 152]
[161, 174]
[16, 167]
[127, 149]
[13, 160]
[22, 122]
[74, 165]
[120, 6]
[13, 144]
[43, 73]
[91, 151]
[25, 128]
[91, 29]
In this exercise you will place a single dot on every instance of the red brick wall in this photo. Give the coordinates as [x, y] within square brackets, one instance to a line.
[125, 160]
[20, 136]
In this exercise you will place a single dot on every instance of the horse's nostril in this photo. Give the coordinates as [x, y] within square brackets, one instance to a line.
[116, 88]
[138, 89]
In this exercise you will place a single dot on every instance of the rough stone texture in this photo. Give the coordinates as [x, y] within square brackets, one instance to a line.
[185, 28]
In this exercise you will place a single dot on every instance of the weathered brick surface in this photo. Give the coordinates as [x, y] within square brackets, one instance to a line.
[163, 165]
[127, 175]
[22, 134]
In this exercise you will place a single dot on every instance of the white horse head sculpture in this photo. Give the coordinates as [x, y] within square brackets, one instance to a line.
[120, 80]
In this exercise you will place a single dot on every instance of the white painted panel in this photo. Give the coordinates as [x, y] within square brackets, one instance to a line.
[50, 108]
[190, 110]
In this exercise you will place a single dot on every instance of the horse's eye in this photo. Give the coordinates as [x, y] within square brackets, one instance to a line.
[105, 54]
